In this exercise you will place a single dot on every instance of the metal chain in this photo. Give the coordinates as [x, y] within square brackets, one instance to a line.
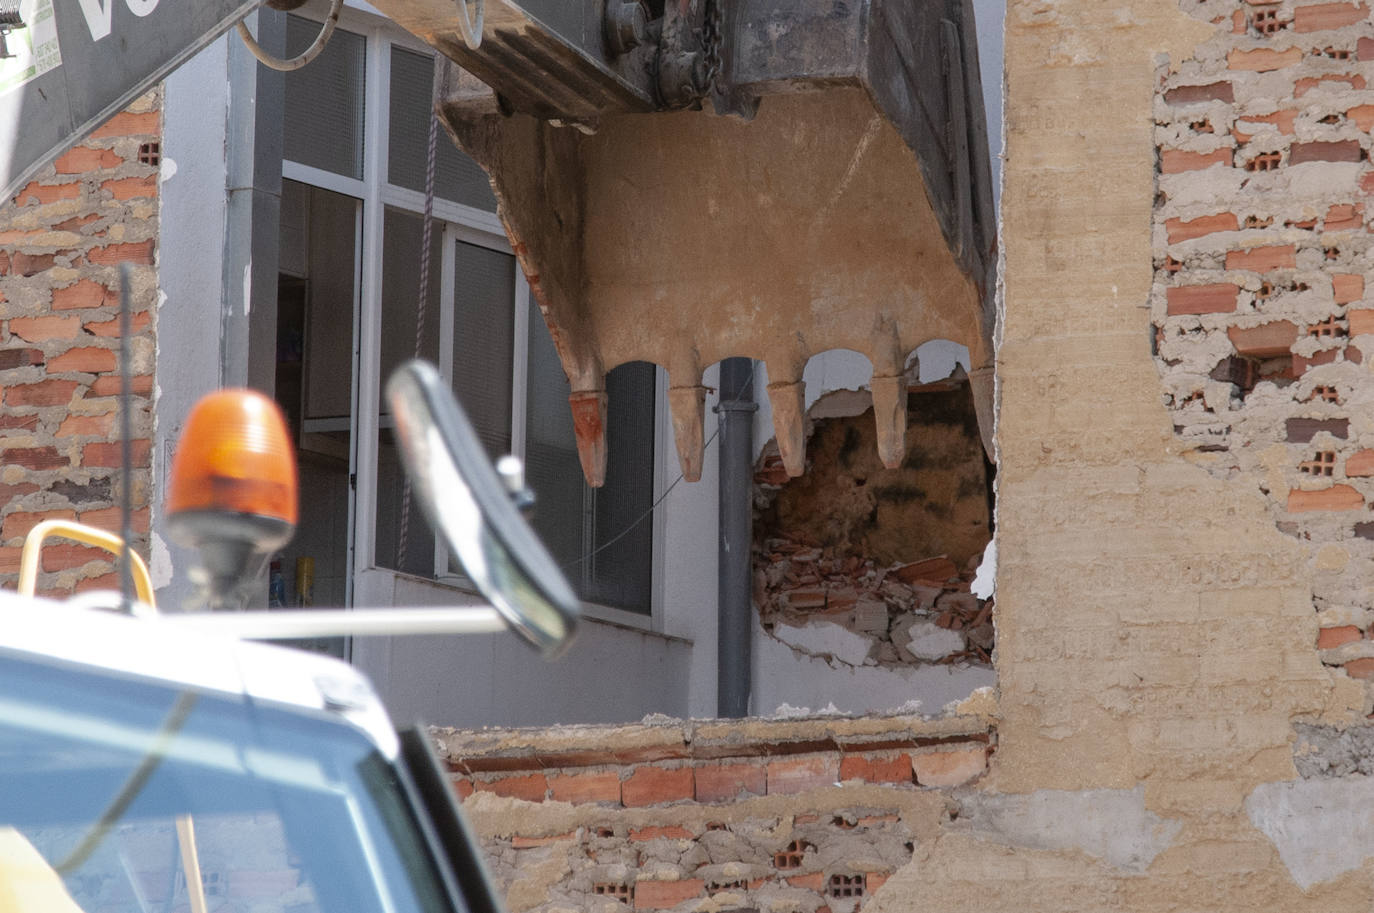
[712, 36]
[426, 235]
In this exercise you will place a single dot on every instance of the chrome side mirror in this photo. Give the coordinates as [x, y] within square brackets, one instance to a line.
[468, 506]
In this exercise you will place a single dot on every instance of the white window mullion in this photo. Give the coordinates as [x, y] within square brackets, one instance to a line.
[376, 118]
[446, 320]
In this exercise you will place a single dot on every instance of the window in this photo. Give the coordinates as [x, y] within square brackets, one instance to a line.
[349, 313]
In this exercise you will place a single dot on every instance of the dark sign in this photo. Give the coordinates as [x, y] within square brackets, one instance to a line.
[78, 62]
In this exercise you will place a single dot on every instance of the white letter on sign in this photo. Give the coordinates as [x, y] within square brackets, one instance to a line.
[141, 7]
[97, 17]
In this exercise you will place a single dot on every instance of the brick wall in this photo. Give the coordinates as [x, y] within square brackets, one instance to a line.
[783, 814]
[62, 239]
[1262, 256]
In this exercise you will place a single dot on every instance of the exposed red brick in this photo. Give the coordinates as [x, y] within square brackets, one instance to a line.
[586, 787]
[22, 264]
[41, 329]
[108, 385]
[1331, 638]
[949, 768]
[1360, 464]
[84, 158]
[654, 832]
[1321, 16]
[1308, 83]
[75, 223]
[462, 787]
[1261, 60]
[1264, 341]
[1283, 119]
[42, 194]
[83, 294]
[1347, 287]
[12, 493]
[1303, 363]
[1343, 217]
[50, 392]
[810, 881]
[59, 556]
[1302, 430]
[18, 524]
[650, 785]
[1337, 497]
[789, 776]
[660, 895]
[136, 252]
[110, 328]
[530, 787]
[19, 358]
[128, 123]
[129, 188]
[109, 518]
[103, 454]
[1217, 298]
[1263, 259]
[1180, 230]
[85, 359]
[1174, 161]
[728, 782]
[1360, 668]
[1187, 95]
[1365, 49]
[108, 581]
[10, 559]
[95, 425]
[18, 423]
[1338, 151]
[1360, 320]
[873, 769]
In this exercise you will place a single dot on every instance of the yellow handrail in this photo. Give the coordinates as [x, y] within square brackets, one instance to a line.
[87, 535]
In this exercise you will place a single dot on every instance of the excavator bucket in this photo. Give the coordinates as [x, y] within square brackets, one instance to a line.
[689, 180]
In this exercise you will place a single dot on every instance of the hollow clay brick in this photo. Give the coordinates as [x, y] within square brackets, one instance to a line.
[110, 455]
[131, 188]
[40, 329]
[135, 252]
[1364, 49]
[1360, 320]
[949, 768]
[1360, 668]
[86, 359]
[655, 832]
[1321, 16]
[84, 158]
[1347, 287]
[60, 556]
[1180, 230]
[1331, 638]
[82, 294]
[1263, 259]
[649, 785]
[1337, 497]
[42, 194]
[49, 392]
[128, 123]
[19, 524]
[660, 895]
[19, 358]
[1360, 464]
[1261, 60]
[1337, 151]
[1308, 83]
[1187, 95]
[1217, 298]
[1174, 161]
[110, 518]
[1264, 341]
[1302, 430]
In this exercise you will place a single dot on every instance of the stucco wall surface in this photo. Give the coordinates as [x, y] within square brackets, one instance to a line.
[1155, 631]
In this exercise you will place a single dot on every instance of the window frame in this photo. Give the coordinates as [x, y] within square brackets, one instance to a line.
[456, 222]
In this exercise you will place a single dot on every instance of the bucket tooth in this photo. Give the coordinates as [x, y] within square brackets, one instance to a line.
[889, 413]
[788, 399]
[589, 425]
[688, 405]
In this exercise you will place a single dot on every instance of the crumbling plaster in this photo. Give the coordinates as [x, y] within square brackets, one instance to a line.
[1154, 629]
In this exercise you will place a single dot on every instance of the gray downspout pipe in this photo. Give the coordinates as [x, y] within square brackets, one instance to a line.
[734, 596]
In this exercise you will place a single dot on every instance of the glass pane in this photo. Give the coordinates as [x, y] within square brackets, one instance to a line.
[483, 331]
[603, 539]
[404, 540]
[456, 177]
[323, 122]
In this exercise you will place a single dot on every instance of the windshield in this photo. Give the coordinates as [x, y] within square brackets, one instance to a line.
[122, 794]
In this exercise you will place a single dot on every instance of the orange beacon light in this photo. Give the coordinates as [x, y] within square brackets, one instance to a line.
[233, 491]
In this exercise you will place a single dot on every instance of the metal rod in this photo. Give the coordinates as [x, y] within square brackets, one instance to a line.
[734, 599]
[126, 434]
[290, 625]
